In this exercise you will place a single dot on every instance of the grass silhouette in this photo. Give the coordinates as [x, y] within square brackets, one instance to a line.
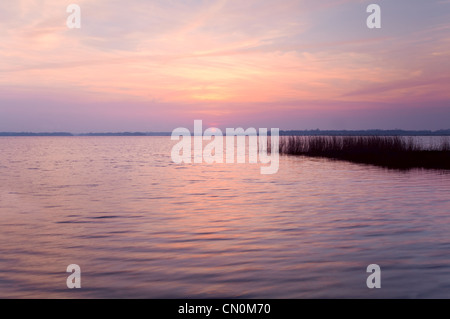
[386, 151]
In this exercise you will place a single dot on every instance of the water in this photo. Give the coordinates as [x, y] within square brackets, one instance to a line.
[141, 226]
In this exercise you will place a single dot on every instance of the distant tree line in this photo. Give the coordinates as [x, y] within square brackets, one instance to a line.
[364, 133]
[316, 132]
[35, 134]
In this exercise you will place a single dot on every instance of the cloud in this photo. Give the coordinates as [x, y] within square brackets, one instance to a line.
[223, 58]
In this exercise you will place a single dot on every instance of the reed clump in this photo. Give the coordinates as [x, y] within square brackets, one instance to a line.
[387, 151]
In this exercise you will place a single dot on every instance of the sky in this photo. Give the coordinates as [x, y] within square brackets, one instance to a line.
[147, 65]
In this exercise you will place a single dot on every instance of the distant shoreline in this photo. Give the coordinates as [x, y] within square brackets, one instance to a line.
[282, 133]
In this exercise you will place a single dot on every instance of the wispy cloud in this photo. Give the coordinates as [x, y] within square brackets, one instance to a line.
[222, 58]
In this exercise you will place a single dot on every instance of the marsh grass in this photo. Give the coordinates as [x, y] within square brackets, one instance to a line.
[387, 151]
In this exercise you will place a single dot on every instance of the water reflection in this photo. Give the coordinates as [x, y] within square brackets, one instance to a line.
[141, 226]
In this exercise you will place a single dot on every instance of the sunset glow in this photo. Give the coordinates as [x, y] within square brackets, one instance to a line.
[156, 65]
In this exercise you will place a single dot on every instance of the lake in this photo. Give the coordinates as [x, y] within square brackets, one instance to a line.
[141, 226]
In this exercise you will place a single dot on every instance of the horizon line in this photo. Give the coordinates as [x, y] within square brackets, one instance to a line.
[440, 132]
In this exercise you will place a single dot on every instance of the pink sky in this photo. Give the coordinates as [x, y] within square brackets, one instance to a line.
[155, 65]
